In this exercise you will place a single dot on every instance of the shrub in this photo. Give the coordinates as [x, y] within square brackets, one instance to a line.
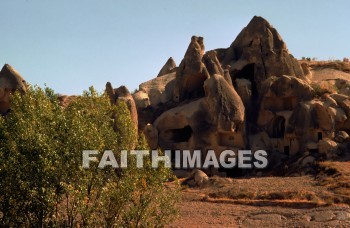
[43, 183]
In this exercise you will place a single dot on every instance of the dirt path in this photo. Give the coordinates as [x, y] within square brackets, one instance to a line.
[194, 212]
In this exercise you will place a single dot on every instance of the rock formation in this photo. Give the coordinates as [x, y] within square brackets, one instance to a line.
[65, 100]
[215, 121]
[252, 95]
[10, 81]
[258, 53]
[122, 93]
[191, 73]
[169, 67]
[151, 135]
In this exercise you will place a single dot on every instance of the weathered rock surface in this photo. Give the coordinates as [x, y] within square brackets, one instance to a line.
[258, 53]
[156, 91]
[169, 67]
[341, 136]
[151, 135]
[327, 147]
[200, 177]
[65, 100]
[215, 121]
[123, 94]
[194, 69]
[10, 81]
[252, 95]
[191, 73]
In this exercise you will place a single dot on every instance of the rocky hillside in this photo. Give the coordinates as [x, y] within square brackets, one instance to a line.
[251, 95]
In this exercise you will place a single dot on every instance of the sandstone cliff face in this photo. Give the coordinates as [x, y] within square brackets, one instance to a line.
[191, 73]
[194, 69]
[215, 121]
[258, 53]
[254, 94]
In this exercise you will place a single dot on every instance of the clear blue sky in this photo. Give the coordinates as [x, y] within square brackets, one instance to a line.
[72, 44]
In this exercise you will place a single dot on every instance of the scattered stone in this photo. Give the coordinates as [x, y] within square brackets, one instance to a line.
[200, 177]
[340, 136]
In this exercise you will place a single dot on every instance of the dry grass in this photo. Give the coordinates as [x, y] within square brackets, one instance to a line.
[281, 191]
[330, 186]
[335, 176]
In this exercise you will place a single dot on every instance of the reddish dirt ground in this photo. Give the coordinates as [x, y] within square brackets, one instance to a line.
[305, 201]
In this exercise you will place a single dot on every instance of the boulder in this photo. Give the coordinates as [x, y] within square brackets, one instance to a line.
[337, 114]
[169, 67]
[329, 101]
[155, 91]
[200, 177]
[322, 118]
[341, 136]
[10, 81]
[327, 147]
[289, 86]
[141, 99]
[343, 102]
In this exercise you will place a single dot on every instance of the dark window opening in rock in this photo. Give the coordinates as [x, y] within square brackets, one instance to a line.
[286, 150]
[181, 135]
[313, 152]
[319, 136]
[248, 72]
[278, 128]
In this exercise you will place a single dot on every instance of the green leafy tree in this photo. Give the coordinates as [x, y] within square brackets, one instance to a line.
[43, 183]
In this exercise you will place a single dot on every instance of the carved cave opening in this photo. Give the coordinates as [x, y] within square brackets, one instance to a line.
[286, 150]
[278, 127]
[181, 134]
